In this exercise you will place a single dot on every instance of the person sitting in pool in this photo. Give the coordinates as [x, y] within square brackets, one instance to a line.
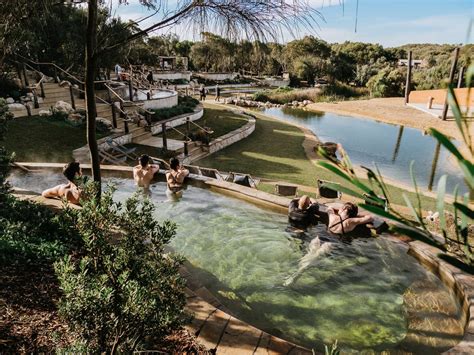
[175, 176]
[302, 212]
[70, 191]
[143, 173]
[346, 219]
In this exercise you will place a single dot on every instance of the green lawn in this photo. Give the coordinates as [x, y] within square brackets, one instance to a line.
[217, 119]
[39, 139]
[274, 151]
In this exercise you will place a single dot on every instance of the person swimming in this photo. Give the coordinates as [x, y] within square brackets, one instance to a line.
[302, 212]
[70, 191]
[346, 219]
[143, 172]
[175, 178]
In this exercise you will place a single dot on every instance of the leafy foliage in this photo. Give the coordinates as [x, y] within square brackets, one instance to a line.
[125, 289]
[186, 104]
[458, 243]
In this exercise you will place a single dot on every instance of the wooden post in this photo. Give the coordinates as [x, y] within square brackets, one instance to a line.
[130, 88]
[28, 109]
[114, 115]
[408, 83]
[20, 76]
[148, 96]
[186, 148]
[109, 96]
[71, 94]
[25, 76]
[461, 74]
[35, 99]
[188, 127]
[42, 89]
[163, 132]
[125, 123]
[56, 79]
[451, 78]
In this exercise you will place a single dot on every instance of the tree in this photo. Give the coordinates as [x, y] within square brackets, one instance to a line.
[233, 18]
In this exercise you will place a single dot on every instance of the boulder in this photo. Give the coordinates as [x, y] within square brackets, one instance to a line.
[63, 106]
[29, 94]
[16, 107]
[10, 100]
[44, 113]
[75, 118]
[40, 100]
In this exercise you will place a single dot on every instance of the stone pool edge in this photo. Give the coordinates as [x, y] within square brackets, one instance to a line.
[454, 278]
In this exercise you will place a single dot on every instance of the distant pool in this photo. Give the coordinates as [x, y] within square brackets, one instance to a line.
[391, 147]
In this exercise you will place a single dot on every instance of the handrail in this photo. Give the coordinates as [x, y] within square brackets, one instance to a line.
[51, 64]
[128, 102]
[205, 130]
[184, 135]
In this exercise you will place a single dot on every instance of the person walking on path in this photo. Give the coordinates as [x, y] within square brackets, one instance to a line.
[218, 93]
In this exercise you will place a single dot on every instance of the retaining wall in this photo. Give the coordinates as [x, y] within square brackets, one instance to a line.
[439, 95]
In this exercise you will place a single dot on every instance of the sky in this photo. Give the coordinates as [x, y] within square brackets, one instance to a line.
[388, 22]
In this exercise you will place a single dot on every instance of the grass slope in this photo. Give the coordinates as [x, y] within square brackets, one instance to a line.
[39, 139]
[274, 151]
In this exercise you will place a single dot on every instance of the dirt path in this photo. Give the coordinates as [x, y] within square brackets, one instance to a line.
[390, 110]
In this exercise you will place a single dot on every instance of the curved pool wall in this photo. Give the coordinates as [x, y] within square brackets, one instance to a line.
[391, 147]
[246, 263]
[160, 98]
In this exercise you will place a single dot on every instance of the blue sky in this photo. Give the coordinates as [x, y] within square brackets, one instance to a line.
[388, 22]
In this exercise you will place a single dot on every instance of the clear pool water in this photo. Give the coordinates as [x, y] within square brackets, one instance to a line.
[367, 293]
[391, 147]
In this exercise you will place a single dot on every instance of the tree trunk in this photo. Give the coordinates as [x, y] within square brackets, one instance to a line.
[91, 67]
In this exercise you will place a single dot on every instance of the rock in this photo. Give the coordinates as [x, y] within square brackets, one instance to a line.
[16, 107]
[295, 103]
[44, 113]
[104, 122]
[40, 100]
[63, 106]
[75, 118]
[29, 94]
[64, 83]
[10, 100]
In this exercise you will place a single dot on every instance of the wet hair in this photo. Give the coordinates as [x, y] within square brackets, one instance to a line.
[71, 169]
[304, 202]
[144, 160]
[352, 210]
[174, 163]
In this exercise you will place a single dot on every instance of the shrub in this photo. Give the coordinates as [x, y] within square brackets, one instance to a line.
[186, 104]
[125, 286]
[29, 231]
[8, 87]
[387, 83]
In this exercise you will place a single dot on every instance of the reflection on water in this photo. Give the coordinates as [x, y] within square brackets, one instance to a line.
[391, 147]
[366, 294]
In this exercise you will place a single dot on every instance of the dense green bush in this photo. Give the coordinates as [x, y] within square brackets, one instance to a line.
[388, 82]
[29, 231]
[125, 289]
[186, 104]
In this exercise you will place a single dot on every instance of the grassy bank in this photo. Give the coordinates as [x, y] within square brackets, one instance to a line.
[39, 139]
[274, 151]
[219, 120]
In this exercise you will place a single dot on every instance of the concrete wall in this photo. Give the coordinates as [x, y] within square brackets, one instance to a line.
[422, 96]
[156, 128]
[276, 82]
[163, 102]
[172, 76]
[217, 76]
[227, 139]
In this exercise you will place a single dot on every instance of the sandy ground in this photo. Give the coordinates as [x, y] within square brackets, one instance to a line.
[391, 110]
